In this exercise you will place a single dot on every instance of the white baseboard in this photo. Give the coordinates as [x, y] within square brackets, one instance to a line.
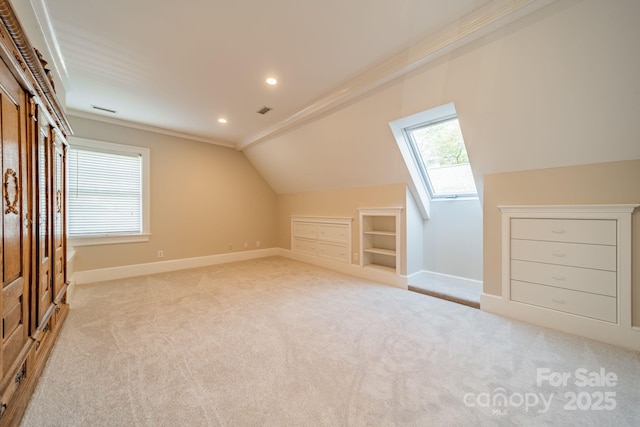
[379, 276]
[115, 273]
[620, 335]
[71, 289]
[424, 275]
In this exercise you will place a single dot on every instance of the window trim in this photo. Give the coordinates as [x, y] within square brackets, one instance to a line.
[145, 155]
[419, 184]
[422, 168]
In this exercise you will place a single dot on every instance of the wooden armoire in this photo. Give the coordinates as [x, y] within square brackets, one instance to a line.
[33, 130]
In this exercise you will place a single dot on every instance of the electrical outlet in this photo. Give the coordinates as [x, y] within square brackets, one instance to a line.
[257, 243]
[160, 254]
[230, 247]
[246, 245]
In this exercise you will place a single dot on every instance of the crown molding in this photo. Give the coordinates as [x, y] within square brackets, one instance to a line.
[19, 52]
[125, 123]
[473, 26]
[44, 20]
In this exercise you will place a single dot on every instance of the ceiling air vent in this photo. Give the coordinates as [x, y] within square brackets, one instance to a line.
[264, 110]
[106, 110]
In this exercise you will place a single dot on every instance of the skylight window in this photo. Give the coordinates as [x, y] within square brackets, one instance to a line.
[442, 158]
[433, 149]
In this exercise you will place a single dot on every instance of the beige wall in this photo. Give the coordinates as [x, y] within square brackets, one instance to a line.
[602, 183]
[556, 88]
[343, 203]
[453, 238]
[203, 199]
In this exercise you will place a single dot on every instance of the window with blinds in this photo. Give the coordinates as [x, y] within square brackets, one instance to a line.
[106, 190]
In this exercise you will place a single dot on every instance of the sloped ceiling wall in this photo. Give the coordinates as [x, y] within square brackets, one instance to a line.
[558, 88]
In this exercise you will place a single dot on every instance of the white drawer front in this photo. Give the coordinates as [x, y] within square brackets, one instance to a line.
[305, 229]
[333, 233]
[572, 254]
[593, 231]
[335, 252]
[580, 279]
[306, 246]
[581, 303]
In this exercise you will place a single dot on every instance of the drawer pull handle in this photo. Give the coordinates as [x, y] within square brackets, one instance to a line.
[558, 231]
[558, 277]
[559, 300]
[558, 254]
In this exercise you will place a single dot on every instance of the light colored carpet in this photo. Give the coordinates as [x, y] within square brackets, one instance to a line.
[275, 342]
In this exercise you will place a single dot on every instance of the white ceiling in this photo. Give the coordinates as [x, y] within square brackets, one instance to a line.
[181, 65]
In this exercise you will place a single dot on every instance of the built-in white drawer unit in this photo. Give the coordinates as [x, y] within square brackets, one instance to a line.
[598, 231]
[601, 257]
[569, 267]
[325, 237]
[306, 230]
[579, 279]
[576, 302]
[565, 264]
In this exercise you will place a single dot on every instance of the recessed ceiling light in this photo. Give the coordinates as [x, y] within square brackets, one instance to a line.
[222, 120]
[271, 81]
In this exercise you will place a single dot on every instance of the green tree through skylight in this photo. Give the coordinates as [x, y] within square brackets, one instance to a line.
[441, 144]
[444, 157]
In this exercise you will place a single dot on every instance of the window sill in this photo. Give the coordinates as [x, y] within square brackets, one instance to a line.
[107, 240]
[454, 199]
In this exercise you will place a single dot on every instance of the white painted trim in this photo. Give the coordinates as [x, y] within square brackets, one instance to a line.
[447, 278]
[108, 240]
[568, 211]
[413, 277]
[481, 22]
[417, 186]
[388, 210]
[627, 337]
[620, 213]
[374, 275]
[145, 157]
[394, 212]
[621, 333]
[71, 254]
[115, 273]
[125, 123]
[71, 289]
[100, 275]
[326, 219]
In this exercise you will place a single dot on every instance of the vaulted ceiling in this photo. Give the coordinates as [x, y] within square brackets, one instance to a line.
[181, 66]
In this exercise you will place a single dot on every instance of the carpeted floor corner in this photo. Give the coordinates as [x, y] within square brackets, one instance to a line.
[276, 342]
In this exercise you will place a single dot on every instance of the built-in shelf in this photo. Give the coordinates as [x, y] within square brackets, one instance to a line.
[380, 238]
[381, 268]
[381, 233]
[381, 251]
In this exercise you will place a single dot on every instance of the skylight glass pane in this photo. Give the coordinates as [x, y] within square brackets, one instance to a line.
[443, 155]
[105, 193]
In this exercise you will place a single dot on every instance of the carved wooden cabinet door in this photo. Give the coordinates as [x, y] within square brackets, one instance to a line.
[59, 217]
[15, 221]
[42, 282]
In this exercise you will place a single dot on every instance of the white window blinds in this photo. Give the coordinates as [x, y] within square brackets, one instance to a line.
[104, 192]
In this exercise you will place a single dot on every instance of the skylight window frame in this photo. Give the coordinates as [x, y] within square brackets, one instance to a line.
[417, 185]
[422, 168]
